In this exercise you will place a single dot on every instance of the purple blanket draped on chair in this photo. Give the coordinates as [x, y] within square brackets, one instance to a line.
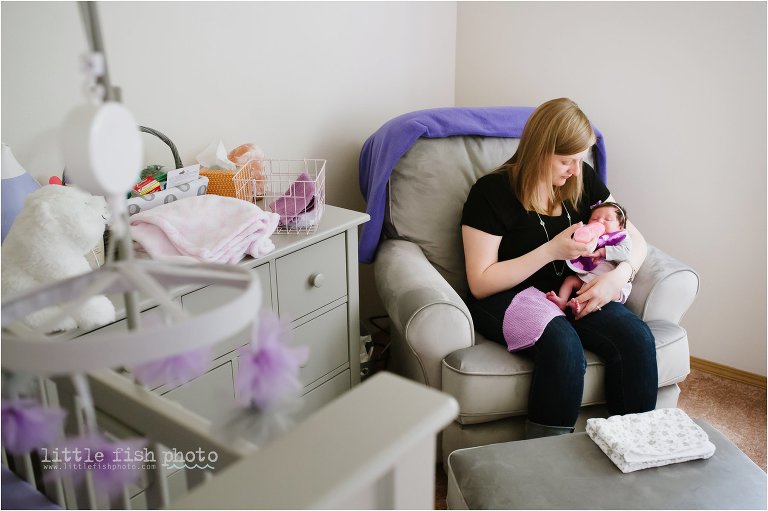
[389, 143]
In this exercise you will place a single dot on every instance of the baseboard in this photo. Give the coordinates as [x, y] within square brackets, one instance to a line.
[728, 372]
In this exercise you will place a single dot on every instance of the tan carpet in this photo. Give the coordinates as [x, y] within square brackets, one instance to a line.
[736, 409]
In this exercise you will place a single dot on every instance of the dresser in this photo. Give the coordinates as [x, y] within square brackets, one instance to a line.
[309, 280]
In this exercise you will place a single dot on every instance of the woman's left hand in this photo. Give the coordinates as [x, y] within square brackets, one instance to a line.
[599, 291]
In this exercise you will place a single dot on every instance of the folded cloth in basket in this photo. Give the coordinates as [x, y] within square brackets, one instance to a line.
[651, 439]
[210, 228]
[307, 219]
[298, 199]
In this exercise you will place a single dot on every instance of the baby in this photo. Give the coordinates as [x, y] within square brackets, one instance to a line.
[612, 247]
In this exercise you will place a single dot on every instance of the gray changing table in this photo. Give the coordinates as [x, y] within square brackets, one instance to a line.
[571, 472]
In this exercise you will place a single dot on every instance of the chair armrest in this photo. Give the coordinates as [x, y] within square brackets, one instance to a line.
[424, 309]
[664, 288]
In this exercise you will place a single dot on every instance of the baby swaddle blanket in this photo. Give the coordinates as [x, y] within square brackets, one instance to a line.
[209, 228]
[651, 439]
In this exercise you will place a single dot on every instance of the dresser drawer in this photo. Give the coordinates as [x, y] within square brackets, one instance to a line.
[208, 298]
[326, 337]
[211, 395]
[122, 324]
[312, 277]
[324, 394]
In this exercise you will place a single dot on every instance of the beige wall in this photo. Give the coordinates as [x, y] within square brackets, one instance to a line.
[299, 79]
[679, 90]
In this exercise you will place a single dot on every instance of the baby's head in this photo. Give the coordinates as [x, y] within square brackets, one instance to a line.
[612, 215]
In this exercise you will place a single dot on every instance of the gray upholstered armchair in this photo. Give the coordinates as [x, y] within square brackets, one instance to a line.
[420, 277]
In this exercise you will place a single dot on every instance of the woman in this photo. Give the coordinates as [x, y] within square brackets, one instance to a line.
[516, 227]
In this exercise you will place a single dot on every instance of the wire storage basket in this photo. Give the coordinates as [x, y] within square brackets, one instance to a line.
[294, 189]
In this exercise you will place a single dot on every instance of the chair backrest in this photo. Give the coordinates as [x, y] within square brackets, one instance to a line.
[426, 194]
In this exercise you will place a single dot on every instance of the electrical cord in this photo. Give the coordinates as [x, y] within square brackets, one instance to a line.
[372, 321]
[383, 345]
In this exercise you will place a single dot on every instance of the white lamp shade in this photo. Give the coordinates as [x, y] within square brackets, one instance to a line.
[11, 166]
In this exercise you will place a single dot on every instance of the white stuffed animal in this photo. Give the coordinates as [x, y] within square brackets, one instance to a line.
[48, 241]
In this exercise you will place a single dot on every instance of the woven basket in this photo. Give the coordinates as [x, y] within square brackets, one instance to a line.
[220, 181]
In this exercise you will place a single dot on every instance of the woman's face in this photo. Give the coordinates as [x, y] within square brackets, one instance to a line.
[563, 167]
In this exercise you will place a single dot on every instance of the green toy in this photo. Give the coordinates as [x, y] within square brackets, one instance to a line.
[155, 171]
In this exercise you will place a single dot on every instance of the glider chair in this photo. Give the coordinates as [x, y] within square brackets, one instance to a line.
[415, 173]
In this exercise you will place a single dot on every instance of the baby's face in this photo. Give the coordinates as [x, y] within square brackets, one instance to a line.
[608, 217]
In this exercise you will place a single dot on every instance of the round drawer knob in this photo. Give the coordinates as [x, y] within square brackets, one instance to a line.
[317, 279]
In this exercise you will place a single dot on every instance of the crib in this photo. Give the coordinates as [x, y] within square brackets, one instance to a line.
[368, 449]
[372, 447]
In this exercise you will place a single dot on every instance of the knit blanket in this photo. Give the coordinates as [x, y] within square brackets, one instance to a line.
[389, 143]
[209, 228]
[526, 317]
[652, 439]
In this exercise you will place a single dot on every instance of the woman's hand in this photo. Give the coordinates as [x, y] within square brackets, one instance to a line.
[486, 275]
[563, 248]
[600, 290]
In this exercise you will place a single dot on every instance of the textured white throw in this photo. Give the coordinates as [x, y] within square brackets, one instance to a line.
[209, 228]
[651, 439]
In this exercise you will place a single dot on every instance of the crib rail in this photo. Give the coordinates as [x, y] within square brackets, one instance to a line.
[372, 448]
[127, 410]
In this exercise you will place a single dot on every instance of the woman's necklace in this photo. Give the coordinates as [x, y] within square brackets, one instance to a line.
[541, 221]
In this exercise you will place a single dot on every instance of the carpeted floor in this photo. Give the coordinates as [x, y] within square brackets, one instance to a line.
[736, 409]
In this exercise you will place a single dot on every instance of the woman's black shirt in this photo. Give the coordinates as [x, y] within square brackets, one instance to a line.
[492, 207]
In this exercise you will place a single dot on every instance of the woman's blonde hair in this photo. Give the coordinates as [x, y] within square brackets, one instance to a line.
[557, 127]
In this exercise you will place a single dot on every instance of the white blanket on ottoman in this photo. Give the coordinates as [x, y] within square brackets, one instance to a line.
[651, 439]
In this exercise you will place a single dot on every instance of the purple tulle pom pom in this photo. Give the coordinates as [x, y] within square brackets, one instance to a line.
[268, 372]
[113, 464]
[175, 370]
[26, 425]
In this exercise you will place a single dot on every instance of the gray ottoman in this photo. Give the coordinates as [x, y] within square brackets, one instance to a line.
[571, 472]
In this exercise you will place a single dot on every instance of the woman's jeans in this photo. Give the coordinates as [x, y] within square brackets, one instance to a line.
[622, 341]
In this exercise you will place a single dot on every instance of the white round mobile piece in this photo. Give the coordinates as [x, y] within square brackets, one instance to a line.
[102, 148]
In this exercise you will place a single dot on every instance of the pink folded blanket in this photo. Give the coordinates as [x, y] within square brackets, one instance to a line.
[209, 228]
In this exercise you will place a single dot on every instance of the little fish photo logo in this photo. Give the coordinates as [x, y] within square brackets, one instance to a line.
[199, 459]
[99, 457]
[125, 458]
